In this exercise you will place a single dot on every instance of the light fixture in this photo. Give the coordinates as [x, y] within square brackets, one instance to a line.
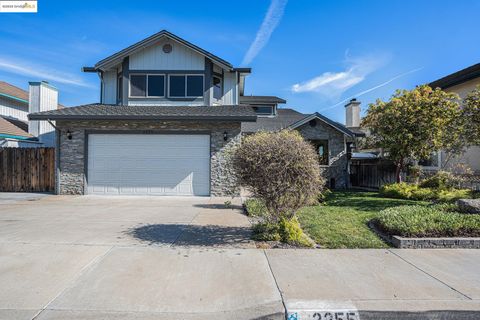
[225, 136]
[69, 135]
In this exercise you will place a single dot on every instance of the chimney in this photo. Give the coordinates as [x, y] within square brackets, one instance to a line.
[352, 114]
[42, 97]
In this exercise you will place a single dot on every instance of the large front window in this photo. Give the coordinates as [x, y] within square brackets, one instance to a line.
[321, 147]
[143, 85]
[185, 86]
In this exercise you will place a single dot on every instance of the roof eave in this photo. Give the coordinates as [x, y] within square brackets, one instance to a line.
[142, 117]
[457, 78]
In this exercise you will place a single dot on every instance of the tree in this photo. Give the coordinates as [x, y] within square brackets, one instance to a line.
[281, 169]
[415, 123]
[471, 112]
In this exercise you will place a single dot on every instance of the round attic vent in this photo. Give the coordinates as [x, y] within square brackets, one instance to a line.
[167, 48]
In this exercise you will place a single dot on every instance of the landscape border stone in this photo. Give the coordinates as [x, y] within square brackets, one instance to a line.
[428, 243]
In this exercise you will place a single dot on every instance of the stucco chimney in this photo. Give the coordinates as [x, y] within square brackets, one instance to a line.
[352, 114]
[42, 97]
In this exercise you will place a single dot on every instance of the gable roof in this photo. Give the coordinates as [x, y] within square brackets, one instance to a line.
[150, 112]
[338, 126]
[458, 77]
[12, 92]
[261, 99]
[9, 130]
[118, 57]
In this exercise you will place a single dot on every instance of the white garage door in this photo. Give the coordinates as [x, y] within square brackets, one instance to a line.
[148, 164]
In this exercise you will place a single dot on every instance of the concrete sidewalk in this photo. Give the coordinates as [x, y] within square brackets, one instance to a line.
[105, 282]
[379, 284]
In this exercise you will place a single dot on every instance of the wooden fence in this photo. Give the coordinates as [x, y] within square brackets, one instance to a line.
[27, 169]
[371, 173]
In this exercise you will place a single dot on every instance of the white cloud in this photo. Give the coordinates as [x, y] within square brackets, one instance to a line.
[373, 88]
[270, 22]
[333, 84]
[40, 72]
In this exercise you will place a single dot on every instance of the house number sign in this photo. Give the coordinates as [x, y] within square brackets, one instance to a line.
[323, 315]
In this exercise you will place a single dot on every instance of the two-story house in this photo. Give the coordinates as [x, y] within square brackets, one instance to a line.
[168, 115]
[462, 83]
[15, 104]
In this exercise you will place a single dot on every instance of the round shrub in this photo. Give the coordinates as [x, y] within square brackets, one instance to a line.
[281, 169]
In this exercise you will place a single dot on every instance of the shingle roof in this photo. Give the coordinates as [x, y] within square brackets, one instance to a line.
[116, 112]
[458, 77]
[16, 122]
[283, 119]
[289, 118]
[9, 129]
[10, 91]
[261, 99]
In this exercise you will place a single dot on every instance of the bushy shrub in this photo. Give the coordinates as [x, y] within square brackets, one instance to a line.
[292, 233]
[286, 230]
[281, 169]
[453, 195]
[440, 180]
[401, 190]
[255, 208]
[266, 231]
[415, 192]
[432, 221]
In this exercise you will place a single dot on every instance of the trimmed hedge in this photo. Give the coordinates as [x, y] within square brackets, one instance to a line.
[431, 221]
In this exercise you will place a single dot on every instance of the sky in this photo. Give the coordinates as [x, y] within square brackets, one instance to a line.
[315, 54]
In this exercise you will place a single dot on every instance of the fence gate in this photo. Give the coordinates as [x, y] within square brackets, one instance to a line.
[27, 169]
[371, 173]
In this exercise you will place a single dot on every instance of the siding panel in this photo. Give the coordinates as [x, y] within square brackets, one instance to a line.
[153, 58]
[10, 108]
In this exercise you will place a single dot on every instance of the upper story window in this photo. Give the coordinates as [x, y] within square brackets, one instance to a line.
[185, 86]
[217, 87]
[147, 85]
[264, 110]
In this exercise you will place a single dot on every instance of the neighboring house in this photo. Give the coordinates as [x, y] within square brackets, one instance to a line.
[169, 114]
[461, 82]
[15, 104]
[332, 140]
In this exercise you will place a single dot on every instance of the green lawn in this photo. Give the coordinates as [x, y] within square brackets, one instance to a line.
[342, 221]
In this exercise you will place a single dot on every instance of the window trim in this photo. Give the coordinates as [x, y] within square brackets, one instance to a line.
[147, 75]
[313, 141]
[186, 89]
[272, 106]
[219, 76]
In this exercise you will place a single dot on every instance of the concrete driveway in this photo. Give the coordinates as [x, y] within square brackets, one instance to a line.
[124, 221]
[130, 258]
[190, 258]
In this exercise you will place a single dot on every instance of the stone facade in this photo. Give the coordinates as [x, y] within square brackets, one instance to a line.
[71, 163]
[338, 162]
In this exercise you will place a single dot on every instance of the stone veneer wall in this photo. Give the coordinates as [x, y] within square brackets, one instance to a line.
[336, 149]
[71, 170]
